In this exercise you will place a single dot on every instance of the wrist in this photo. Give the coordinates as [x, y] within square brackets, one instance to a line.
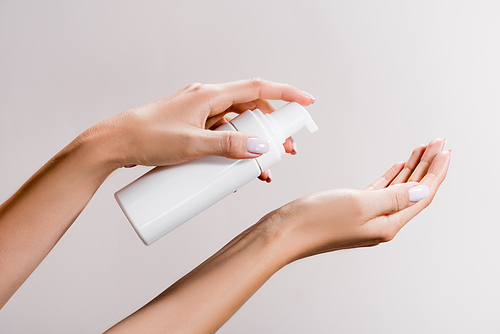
[96, 148]
[277, 229]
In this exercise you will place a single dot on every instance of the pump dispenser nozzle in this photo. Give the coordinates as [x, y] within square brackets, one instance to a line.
[311, 126]
[289, 119]
[275, 127]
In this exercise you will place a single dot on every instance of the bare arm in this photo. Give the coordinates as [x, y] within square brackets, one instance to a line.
[203, 300]
[38, 214]
[169, 131]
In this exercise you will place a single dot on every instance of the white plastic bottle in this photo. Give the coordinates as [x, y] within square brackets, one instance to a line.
[166, 197]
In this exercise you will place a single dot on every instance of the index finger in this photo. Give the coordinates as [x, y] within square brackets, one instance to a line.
[257, 88]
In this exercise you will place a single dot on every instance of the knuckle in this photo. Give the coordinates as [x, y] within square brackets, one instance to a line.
[229, 144]
[257, 82]
[208, 92]
[398, 201]
[395, 202]
[194, 87]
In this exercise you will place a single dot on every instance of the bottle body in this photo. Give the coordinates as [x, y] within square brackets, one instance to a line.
[166, 197]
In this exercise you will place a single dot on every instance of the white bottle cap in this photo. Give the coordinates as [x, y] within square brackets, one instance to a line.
[275, 127]
[289, 120]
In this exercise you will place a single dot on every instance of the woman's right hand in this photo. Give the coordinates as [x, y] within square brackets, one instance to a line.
[339, 219]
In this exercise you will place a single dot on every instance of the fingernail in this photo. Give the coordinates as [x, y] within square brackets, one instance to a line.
[269, 176]
[257, 145]
[313, 99]
[444, 145]
[294, 146]
[451, 155]
[418, 193]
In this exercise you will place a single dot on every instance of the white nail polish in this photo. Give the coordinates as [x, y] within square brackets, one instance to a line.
[444, 145]
[313, 99]
[257, 145]
[418, 193]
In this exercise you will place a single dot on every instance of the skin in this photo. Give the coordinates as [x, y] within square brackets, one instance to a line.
[203, 300]
[166, 132]
[162, 133]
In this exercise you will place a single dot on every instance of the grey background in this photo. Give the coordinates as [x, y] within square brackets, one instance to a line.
[388, 75]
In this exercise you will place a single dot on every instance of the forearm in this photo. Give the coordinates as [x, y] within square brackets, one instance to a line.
[203, 300]
[40, 212]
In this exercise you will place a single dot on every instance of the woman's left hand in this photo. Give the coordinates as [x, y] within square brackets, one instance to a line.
[177, 128]
[347, 218]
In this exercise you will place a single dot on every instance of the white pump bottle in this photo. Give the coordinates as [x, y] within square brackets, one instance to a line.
[166, 197]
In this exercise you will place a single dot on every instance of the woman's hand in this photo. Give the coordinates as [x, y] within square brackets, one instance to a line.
[203, 300]
[339, 219]
[176, 129]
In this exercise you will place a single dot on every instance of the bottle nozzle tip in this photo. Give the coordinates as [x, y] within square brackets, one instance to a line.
[311, 126]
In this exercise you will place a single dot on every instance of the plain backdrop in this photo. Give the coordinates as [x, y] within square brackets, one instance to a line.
[387, 75]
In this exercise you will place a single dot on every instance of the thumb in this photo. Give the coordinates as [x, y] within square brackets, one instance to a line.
[233, 144]
[395, 198]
